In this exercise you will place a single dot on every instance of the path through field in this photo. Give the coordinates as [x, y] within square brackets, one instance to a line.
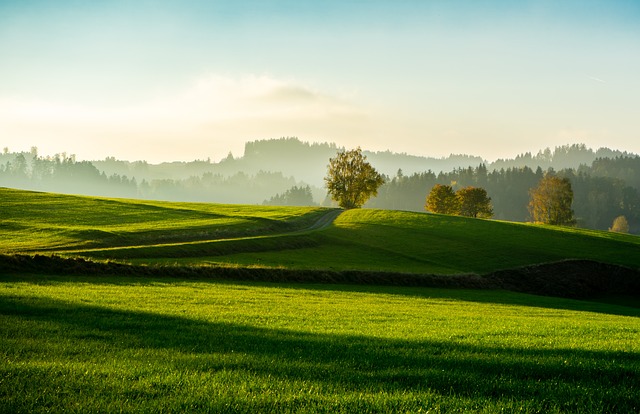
[322, 223]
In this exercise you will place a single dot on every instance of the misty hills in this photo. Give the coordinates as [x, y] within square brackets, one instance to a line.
[606, 182]
[307, 162]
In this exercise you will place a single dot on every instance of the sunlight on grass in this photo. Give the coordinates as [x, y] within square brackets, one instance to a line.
[45, 222]
[230, 235]
[86, 344]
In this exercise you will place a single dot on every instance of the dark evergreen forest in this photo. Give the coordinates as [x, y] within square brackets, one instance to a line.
[599, 196]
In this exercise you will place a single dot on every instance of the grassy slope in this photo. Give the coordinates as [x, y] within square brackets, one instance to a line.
[86, 344]
[143, 345]
[36, 222]
[413, 242]
[191, 233]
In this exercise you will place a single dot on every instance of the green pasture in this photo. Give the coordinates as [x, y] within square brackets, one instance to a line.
[400, 241]
[146, 232]
[104, 343]
[108, 344]
[40, 222]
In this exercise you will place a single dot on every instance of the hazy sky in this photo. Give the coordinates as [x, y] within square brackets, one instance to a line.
[184, 80]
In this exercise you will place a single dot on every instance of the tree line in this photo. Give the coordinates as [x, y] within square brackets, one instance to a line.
[64, 174]
[600, 191]
[606, 189]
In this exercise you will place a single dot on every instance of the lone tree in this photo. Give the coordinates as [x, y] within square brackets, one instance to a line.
[550, 201]
[351, 180]
[442, 200]
[474, 202]
[620, 225]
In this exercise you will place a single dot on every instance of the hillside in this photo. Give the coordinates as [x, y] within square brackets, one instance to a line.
[145, 232]
[605, 183]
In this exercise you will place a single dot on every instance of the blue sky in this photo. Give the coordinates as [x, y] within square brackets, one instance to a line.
[180, 80]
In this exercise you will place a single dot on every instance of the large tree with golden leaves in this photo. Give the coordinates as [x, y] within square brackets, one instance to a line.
[351, 180]
[550, 202]
[442, 200]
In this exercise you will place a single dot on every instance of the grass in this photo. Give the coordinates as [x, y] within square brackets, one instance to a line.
[150, 345]
[399, 241]
[103, 343]
[145, 232]
[38, 222]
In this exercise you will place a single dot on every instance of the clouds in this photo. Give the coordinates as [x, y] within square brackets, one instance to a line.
[185, 80]
[214, 114]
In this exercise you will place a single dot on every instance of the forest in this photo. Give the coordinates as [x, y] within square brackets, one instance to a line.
[600, 192]
[287, 171]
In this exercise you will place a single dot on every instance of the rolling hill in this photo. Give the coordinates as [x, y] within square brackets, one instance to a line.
[120, 305]
[301, 238]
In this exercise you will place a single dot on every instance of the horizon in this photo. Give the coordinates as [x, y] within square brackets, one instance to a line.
[168, 82]
[211, 160]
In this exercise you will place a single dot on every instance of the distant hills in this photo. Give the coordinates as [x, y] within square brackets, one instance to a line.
[606, 182]
[307, 162]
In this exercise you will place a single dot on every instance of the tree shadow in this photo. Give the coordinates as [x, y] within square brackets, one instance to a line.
[618, 305]
[608, 304]
[568, 379]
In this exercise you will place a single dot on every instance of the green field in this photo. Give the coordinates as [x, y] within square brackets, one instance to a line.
[147, 345]
[144, 232]
[104, 342]
[43, 222]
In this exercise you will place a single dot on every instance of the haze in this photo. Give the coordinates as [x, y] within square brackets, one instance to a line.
[165, 81]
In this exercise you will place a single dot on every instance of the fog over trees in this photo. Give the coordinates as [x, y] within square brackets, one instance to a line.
[605, 183]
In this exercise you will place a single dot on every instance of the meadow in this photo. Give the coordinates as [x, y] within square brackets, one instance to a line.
[146, 232]
[77, 341]
[46, 222]
[109, 344]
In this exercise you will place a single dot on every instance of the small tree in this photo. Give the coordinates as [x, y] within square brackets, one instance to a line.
[550, 201]
[442, 200]
[474, 202]
[351, 180]
[620, 225]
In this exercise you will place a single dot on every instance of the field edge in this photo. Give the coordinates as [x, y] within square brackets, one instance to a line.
[576, 279]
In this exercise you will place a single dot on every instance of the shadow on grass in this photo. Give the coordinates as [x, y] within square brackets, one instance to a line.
[567, 380]
[609, 304]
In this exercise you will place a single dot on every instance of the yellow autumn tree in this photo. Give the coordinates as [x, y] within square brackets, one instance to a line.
[550, 202]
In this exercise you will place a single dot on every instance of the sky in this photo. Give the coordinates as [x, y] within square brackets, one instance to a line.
[185, 80]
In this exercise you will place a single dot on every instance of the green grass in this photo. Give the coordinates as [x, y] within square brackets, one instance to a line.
[144, 232]
[147, 345]
[103, 343]
[424, 243]
[37, 222]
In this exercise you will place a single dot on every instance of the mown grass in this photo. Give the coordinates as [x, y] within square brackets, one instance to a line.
[36, 222]
[424, 243]
[145, 232]
[150, 345]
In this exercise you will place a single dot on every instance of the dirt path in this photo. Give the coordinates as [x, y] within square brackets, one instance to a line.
[325, 221]
[322, 223]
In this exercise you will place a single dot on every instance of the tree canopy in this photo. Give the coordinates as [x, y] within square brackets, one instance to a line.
[474, 202]
[620, 225]
[468, 201]
[295, 196]
[550, 202]
[351, 180]
[442, 200]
